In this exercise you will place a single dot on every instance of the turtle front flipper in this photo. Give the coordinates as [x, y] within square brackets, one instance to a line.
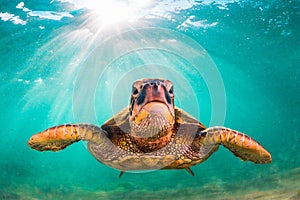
[241, 145]
[59, 137]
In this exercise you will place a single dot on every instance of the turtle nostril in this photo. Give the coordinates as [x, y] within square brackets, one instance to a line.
[155, 83]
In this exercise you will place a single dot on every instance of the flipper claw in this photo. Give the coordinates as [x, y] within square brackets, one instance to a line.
[190, 171]
[121, 174]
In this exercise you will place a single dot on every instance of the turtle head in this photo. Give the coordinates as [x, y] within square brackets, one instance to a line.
[151, 107]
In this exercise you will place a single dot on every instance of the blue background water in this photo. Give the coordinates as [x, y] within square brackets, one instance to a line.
[55, 69]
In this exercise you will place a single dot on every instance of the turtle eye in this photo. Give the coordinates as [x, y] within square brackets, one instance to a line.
[134, 90]
[171, 90]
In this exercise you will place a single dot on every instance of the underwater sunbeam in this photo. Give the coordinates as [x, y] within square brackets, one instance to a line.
[111, 12]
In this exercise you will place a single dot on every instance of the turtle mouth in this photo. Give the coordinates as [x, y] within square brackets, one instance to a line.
[154, 106]
[154, 109]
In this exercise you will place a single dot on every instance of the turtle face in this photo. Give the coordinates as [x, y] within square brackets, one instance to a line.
[151, 107]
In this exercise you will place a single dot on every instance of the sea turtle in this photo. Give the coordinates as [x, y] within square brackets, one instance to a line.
[151, 133]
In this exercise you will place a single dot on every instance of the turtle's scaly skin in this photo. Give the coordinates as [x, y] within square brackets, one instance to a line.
[173, 139]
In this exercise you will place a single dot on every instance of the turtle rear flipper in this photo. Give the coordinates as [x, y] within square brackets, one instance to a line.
[59, 137]
[241, 145]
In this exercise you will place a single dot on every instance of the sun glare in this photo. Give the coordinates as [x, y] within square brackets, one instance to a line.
[112, 11]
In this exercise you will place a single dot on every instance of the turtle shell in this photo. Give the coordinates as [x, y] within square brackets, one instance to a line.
[122, 151]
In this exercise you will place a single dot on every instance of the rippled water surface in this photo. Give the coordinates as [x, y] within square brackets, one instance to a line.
[233, 63]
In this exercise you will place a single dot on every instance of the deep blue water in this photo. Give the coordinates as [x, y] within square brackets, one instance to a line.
[233, 63]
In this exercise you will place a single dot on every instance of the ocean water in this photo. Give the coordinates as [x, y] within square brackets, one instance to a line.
[233, 63]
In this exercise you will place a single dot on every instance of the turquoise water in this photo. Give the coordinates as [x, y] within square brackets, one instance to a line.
[233, 63]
